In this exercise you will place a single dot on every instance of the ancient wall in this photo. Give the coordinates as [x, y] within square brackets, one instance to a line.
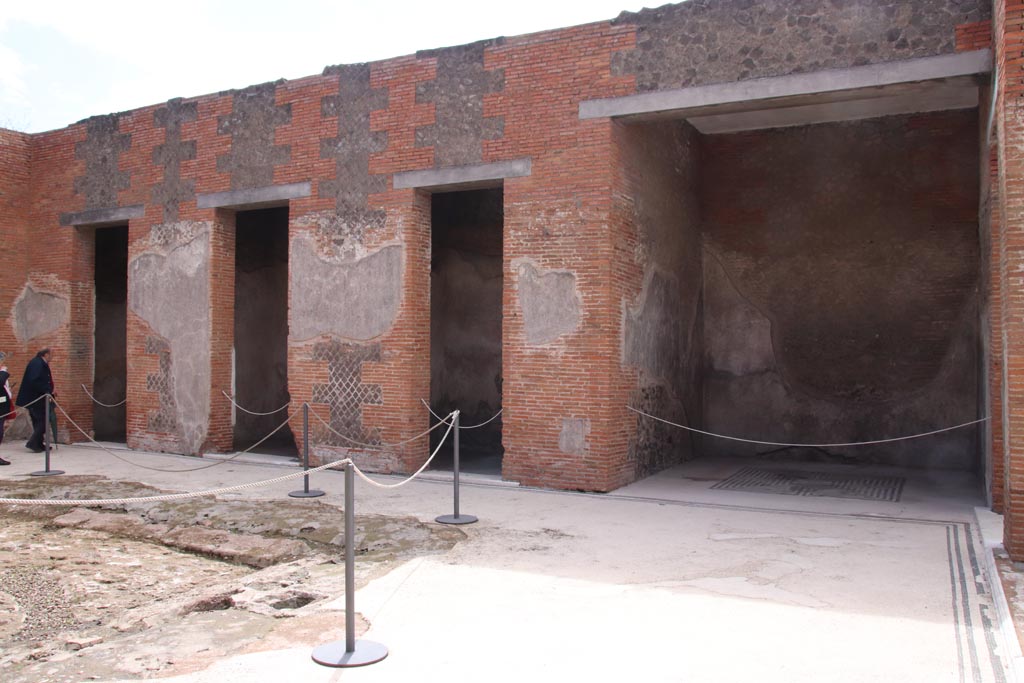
[662, 322]
[720, 41]
[359, 248]
[841, 276]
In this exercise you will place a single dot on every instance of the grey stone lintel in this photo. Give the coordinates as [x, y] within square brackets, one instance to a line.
[819, 82]
[257, 197]
[463, 177]
[100, 217]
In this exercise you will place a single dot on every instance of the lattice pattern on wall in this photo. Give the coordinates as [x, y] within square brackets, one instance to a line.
[345, 393]
[162, 383]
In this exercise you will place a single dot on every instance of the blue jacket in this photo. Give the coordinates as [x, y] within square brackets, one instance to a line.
[36, 382]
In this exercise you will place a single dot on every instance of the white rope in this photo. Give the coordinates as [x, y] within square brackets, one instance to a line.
[810, 445]
[414, 474]
[374, 446]
[442, 419]
[169, 496]
[272, 412]
[105, 405]
[220, 461]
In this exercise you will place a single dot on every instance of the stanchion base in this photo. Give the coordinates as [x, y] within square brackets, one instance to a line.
[312, 493]
[452, 519]
[333, 654]
[45, 473]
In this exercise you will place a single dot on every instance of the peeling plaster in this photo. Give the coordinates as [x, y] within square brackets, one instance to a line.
[549, 300]
[351, 299]
[169, 289]
[36, 313]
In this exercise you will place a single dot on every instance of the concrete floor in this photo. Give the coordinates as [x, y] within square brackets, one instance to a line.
[664, 580]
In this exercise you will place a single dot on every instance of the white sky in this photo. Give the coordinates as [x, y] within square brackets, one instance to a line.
[64, 60]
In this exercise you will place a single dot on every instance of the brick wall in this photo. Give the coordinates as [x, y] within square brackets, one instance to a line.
[1008, 32]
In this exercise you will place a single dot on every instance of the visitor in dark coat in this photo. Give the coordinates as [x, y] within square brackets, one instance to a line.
[37, 382]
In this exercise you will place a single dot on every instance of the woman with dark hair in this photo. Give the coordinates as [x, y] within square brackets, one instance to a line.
[6, 404]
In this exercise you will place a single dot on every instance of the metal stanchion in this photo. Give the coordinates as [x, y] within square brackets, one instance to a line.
[352, 652]
[305, 492]
[46, 442]
[456, 518]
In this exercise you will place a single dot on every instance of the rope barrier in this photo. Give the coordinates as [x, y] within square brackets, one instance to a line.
[442, 419]
[374, 446]
[99, 402]
[168, 496]
[809, 445]
[414, 474]
[272, 412]
[161, 469]
[226, 489]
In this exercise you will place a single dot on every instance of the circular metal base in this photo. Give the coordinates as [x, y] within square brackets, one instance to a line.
[452, 519]
[333, 654]
[312, 493]
[46, 473]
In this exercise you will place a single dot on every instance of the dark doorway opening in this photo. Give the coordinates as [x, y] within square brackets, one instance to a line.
[261, 330]
[110, 337]
[465, 323]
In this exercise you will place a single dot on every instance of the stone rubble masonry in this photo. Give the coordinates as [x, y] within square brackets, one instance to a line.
[348, 130]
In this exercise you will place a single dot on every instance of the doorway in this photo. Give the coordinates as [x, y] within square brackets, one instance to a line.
[110, 336]
[261, 331]
[466, 280]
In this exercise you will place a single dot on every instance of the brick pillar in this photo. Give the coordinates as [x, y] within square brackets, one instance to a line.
[1008, 25]
[75, 368]
[222, 328]
[993, 372]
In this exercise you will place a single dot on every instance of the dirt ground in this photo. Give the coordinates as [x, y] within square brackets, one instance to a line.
[222, 576]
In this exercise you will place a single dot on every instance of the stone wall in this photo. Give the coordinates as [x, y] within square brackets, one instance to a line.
[841, 277]
[662, 338]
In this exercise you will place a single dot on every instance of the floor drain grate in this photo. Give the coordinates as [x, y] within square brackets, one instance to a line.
[804, 483]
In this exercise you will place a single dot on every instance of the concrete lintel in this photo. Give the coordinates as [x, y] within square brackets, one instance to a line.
[101, 217]
[254, 198]
[830, 81]
[459, 177]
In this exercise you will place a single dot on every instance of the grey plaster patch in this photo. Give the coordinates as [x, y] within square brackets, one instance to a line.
[169, 289]
[458, 98]
[719, 41]
[739, 337]
[572, 440]
[37, 313]
[353, 145]
[252, 124]
[101, 151]
[652, 325]
[549, 301]
[173, 189]
[355, 299]
[345, 392]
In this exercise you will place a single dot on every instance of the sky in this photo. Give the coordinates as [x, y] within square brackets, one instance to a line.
[64, 60]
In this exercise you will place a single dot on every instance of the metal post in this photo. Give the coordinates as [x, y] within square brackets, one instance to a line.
[46, 442]
[352, 652]
[305, 492]
[456, 518]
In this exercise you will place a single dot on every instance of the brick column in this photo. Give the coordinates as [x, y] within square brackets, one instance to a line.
[1008, 25]
[77, 364]
[222, 328]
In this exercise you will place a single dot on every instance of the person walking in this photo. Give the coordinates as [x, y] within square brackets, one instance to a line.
[6, 402]
[37, 382]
